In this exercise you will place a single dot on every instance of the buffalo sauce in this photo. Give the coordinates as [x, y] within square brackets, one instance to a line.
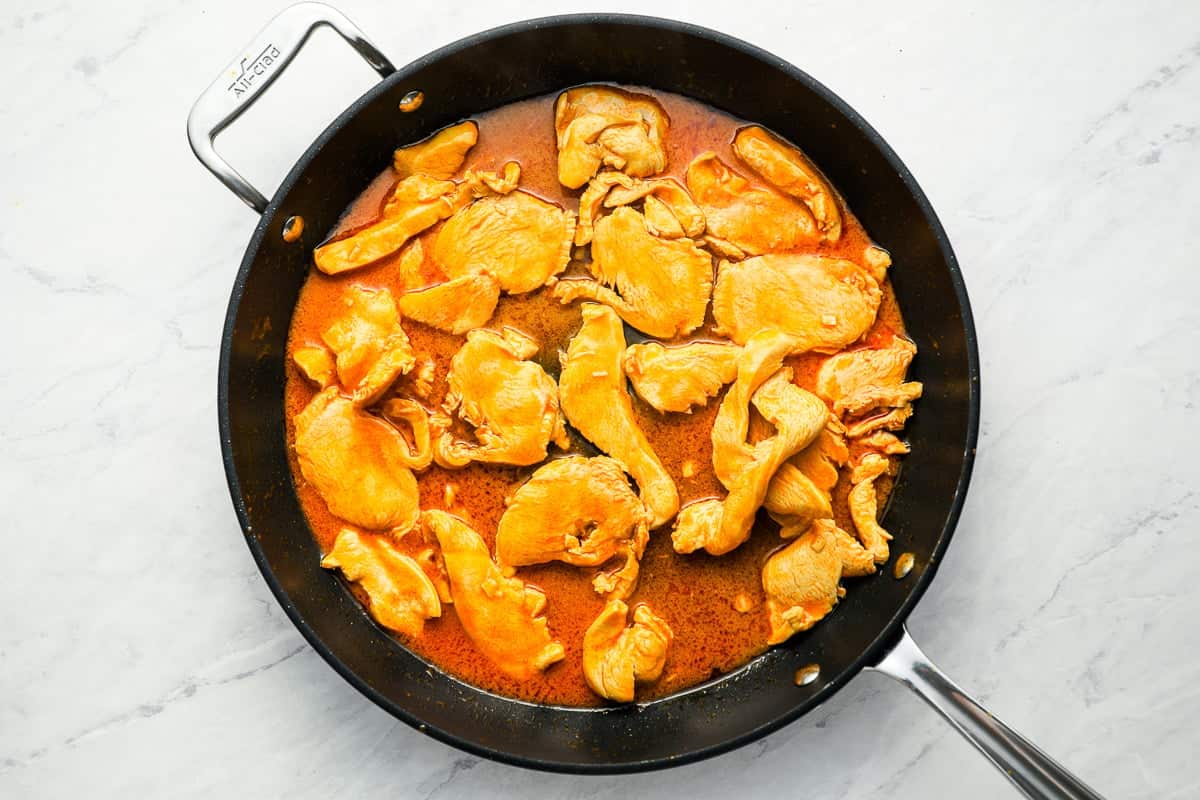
[699, 595]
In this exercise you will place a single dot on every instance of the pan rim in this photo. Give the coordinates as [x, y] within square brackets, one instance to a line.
[888, 633]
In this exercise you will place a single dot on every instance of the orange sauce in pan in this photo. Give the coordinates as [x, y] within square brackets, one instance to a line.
[694, 593]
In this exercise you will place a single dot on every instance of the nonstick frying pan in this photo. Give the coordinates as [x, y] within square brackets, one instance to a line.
[491, 69]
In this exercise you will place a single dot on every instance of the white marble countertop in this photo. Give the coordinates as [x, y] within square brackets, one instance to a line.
[140, 651]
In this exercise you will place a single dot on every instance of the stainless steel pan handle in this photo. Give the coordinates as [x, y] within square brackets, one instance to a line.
[252, 71]
[1033, 772]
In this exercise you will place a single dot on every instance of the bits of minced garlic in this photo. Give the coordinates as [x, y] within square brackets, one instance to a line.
[742, 603]
[688, 469]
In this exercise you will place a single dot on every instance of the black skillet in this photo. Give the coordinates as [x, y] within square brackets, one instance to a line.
[491, 69]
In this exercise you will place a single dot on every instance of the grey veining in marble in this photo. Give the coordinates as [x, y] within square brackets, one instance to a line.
[141, 653]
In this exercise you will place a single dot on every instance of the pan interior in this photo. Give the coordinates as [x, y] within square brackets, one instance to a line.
[518, 62]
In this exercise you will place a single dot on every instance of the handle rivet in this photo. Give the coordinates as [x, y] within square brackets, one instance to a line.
[293, 229]
[412, 101]
[904, 565]
[807, 674]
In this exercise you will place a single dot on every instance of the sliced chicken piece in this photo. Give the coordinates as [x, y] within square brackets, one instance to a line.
[402, 596]
[698, 523]
[669, 210]
[516, 238]
[434, 566]
[594, 398]
[859, 380]
[459, 305]
[617, 657]
[876, 260]
[485, 183]
[417, 203]
[439, 156]
[401, 410]
[580, 511]
[662, 285]
[893, 420]
[411, 266]
[619, 582]
[877, 397]
[856, 560]
[502, 616]
[794, 500]
[423, 374]
[661, 219]
[510, 401]
[789, 170]
[825, 303]
[864, 508]
[317, 364]
[360, 465]
[886, 443]
[677, 378]
[760, 359]
[602, 126]
[797, 416]
[801, 580]
[372, 349]
[724, 249]
[800, 491]
[592, 201]
[822, 460]
[744, 469]
[747, 219]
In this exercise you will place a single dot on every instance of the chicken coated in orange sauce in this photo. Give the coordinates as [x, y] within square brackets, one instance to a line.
[697, 330]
